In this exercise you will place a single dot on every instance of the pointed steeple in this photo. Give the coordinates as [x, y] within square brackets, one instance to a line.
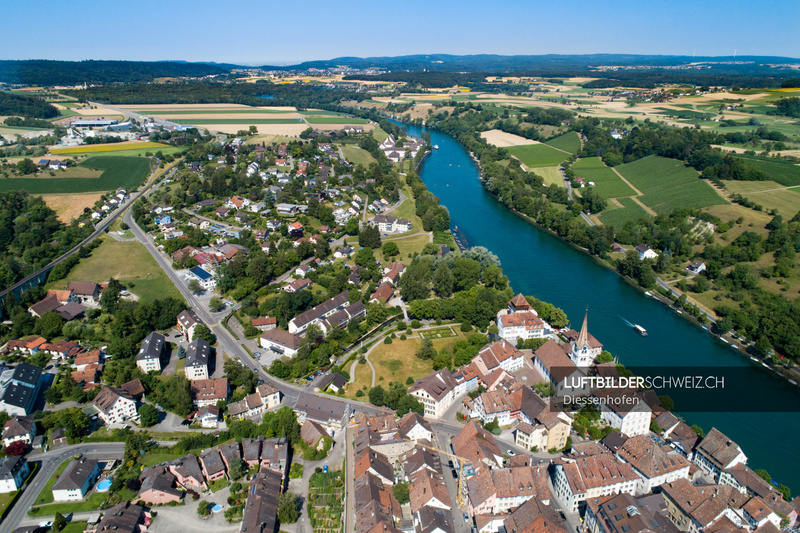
[583, 338]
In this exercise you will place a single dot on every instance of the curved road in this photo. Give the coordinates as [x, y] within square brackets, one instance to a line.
[49, 461]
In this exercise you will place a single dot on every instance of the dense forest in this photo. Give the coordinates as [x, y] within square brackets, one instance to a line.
[48, 73]
[26, 106]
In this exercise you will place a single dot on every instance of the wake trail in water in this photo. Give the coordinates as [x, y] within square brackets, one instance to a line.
[623, 319]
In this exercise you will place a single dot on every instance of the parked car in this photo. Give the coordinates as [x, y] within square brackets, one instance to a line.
[455, 474]
[450, 463]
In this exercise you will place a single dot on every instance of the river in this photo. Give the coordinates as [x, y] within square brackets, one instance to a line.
[539, 264]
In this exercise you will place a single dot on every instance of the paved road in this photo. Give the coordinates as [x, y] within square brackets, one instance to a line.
[587, 219]
[49, 461]
[568, 184]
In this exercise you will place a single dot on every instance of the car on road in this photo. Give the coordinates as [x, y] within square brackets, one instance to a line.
[511, 453]
[257, 355]
[455, 474]
[466, 517]
[450, 463]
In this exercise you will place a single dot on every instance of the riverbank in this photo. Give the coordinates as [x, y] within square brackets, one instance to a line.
[538, 264]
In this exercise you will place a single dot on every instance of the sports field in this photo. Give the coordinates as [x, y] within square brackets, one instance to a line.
[618, 216]
[606, 182]
[127, 172]
[668, 184]
[538, 155]
[569, 142]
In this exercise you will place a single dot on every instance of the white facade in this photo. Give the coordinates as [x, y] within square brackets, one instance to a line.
[196, 372]
[149, 364]
[634, 422]
[122, 409]
[15, 477]
[573, 499]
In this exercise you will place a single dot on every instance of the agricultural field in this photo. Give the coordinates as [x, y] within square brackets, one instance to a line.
[538, 155]
[501, 139]
[668, 184]
[335, 120]
[127, 172]
[569, 142]
[551, 176]
[787, 173]
[236, 121]
[111, 147]
[606, 182]
[618, 216]
[325, 502]
[70, 206]
[358, 156]
[769, 194]
[128, 262]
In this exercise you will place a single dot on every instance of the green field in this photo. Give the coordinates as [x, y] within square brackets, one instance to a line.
[668, 183]
[606, 181]
[46, 495]
[358, 156]
[131, 264]
[551, 175]
[128, 172]
[786, 173]
[90, 504]
[538, 155]
[323, 112]
[242, 121]
[687, 114]
[569, 142]
[335, 120]
[618, 216]
[769, 194]
[202, 111]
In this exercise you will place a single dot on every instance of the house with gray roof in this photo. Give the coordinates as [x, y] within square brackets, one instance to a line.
[76, 480]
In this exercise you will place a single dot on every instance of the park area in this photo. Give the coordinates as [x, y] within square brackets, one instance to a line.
[128, 262]
[668, 184]
[326, 502]
[95, 174]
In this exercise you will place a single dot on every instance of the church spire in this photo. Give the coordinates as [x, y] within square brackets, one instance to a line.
[583, 338]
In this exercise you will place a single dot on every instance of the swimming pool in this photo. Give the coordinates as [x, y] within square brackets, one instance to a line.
[217, 508]
[104, 485]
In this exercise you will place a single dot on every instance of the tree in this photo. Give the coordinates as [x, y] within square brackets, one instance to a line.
[666, 402]
[16, 448]
[426, 350]
[377, 396]
[369, 236]
[148, 415]
[351, 227]
[26, 166]
[237, 468]
[605, 357]
[59, 522]
[365, 257]
[443, 281]
[194, 286]
[215, 304]
[401, 493]
[390, 248]
[201, 331]
[287, 508]
[204, 508]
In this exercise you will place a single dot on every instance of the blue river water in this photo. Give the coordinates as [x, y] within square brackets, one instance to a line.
[539, 264]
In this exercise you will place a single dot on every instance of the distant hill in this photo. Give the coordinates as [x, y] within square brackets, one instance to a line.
[46, 72]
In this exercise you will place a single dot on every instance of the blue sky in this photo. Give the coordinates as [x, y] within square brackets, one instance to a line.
[264, 32]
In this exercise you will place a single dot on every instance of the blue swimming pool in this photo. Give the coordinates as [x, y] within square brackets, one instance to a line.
[217, 508]
[104, 485]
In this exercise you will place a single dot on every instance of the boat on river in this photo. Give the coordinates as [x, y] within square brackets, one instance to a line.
[640, 330]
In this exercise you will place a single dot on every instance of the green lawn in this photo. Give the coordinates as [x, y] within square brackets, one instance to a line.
[569, 142]
[618, 216]
[139, 152]
[203, 111]
[90, 504]
[152, 459]
[538, 155]
[784, 172]
[551, 176]
[668, 183]
[46, 496]
[312, 112]
[379, 134]
[128, 262]
[358, 156]
[75, 527]
[687, 114]
[407, 246]
[606, 181]
[128, 172]
[218, 485]
[6, 499]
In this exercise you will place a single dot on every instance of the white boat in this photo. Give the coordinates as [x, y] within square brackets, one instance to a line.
[640, 330]
[435, 146]
[724, 340]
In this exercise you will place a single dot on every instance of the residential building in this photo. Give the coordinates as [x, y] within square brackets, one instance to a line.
[187, 323]
[645, 252]
[212, 465]
[520, 325]
[209, 391]
[626, 411]
[275, 455]
[280, 341]
[588, 477]
[694, 508]
[327, 412]
[652, 464]
[478, 446]
[202, 276]
[20, 428]
[85, 292]
[502, 354]
[153, 348]
[553, 364]
[121, 518]
[198, 354]
[208, 416]
[265, 324]
[261, 507]
[114, 405]
[265, 397]
[619, 513]
[298, 285]
[19, 387]
[188, 473]
[436, 392]
[76, 480]
[313, 433]
[14, 471]
[413, 427]
[500, 490]
[717, 453]
[317, 314]
[158, 486]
